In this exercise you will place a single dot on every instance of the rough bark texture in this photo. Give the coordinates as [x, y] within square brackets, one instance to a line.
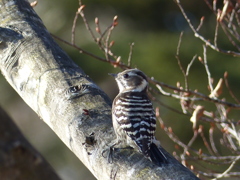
[66, 99]
[18, 159]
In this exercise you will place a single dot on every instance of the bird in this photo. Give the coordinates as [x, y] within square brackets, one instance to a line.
[133, 116]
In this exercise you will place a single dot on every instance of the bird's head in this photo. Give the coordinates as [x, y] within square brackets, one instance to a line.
[131, 80]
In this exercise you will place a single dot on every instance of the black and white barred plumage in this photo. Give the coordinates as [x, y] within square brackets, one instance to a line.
[134, 119]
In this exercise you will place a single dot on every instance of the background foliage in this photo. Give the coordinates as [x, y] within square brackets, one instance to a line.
[154, 26]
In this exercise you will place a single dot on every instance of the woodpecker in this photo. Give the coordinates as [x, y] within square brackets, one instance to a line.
[134, 119]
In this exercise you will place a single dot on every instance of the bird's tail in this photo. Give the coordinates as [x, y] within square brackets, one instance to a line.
[156, 155]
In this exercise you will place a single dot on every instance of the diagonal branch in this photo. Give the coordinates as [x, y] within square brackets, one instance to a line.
[66, 99]
[18, 156]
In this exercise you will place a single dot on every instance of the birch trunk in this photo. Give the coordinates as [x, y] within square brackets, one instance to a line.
[66, 99]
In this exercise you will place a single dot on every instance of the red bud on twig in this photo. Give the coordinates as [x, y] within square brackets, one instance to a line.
[170, 130]
[115, 23]
[33, 4]
[111, 43]
[96, 20]
[200, 59]
[188, 153]
[225, 74]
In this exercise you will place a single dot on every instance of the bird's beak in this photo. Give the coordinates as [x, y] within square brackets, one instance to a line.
[114, 75]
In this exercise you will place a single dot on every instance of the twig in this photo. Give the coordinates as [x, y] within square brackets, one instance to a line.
[232, 144]
[179, 62]
[190, 64]
[228, 87]
[200, 24]
[236, 15]
[175, 139]
[203, 97]
[230, 23]
[86, 22]
[213, 8]
[197, 35]
[205, 140]
[171, 135]
[130, 54]
[74, 25]
[210, 174]
[33, 4]
[105, 32]
[226, 30]
[107, 50]
[112, 62]
[228, 169]
[216, 34]
[218, 158]
[237, 134]
[98, 29]
[207, 69]
[102, 43]
[192, 140]
[231, 131]
[211, 139]
[176, 95]
[203, 118]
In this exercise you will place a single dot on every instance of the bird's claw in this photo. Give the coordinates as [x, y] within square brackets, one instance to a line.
[109, 156]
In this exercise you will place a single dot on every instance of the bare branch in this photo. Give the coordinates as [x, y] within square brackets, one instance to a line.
[202, 96]
[130, 54]
[197, 35]
[75, 23]
[228, 87]
[112, 62]
[211, 139]
[228, 169]
[179, 62]
[207, 69]
[200, 24]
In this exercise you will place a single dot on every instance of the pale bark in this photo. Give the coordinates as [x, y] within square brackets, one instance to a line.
[66, 99]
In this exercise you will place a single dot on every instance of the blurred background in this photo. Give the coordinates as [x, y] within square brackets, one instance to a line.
[154, 26]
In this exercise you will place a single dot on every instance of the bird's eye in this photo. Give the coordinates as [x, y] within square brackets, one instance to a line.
[125, 75]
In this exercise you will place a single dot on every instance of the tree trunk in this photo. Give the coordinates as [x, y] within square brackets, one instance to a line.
[19, 160]
[66, 99]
